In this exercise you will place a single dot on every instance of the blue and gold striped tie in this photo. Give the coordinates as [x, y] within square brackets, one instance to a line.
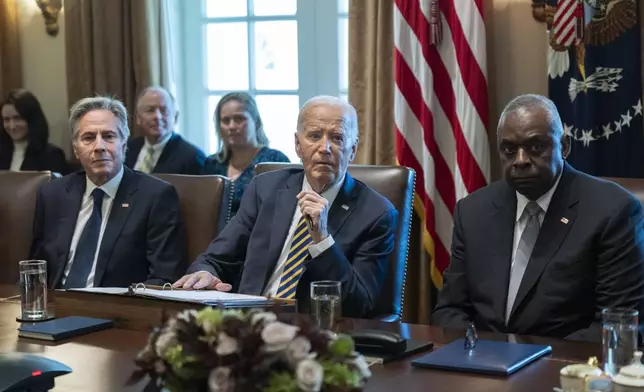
[294, 266]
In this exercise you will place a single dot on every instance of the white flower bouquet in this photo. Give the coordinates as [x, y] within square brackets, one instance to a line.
[229, 351]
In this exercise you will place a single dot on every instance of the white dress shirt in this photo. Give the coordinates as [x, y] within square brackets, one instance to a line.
[314, 249]
[87, 205]
[157, 148]
[18, 157]
[522, 220]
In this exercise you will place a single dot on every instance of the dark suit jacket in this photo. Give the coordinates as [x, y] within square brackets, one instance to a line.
[178, 156]
[593, 260]
[50, 158]
[143, 240]
[246, 252]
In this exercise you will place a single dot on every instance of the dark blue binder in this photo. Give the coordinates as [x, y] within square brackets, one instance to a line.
[63, 328]
[488, 357]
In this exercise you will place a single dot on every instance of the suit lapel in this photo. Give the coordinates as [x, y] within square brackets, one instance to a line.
[121, 206]
[133, 151]
[343, 205]
[285, 204]
[30, 161]
[6, 154]
[503, 217]
[557, 222]
[168, 153]
[75, 189]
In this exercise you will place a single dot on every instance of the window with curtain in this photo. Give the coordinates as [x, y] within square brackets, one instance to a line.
[281, 51]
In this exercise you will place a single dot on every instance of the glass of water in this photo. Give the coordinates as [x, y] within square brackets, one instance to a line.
[326, 303]
[33, 289]
[619, 338]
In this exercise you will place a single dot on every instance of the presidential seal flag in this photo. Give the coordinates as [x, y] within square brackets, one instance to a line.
[441, 111]
[594, 78]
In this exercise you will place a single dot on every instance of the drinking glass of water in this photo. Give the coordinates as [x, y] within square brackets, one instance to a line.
[619, 338]
[326, 297]
[33, 289]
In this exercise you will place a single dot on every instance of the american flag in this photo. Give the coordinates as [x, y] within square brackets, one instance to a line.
[441, 110]
[568, 22]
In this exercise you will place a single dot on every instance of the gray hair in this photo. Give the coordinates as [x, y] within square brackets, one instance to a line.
[157, 89]
[350, 114]
[527, 102]
[86, 105]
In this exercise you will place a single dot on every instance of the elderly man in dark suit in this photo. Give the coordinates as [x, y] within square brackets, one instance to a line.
[160, 149]
[544, 250]
[107, 225]
[296, 226]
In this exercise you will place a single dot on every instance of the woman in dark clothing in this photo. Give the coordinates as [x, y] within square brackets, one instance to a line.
[24, 136]
[242, 143]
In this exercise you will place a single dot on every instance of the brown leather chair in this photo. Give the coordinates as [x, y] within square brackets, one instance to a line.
[17, 206]
[633, 185]
[396, 183]
[205, 207]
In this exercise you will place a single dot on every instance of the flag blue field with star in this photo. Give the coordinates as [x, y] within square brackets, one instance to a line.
[598, 91]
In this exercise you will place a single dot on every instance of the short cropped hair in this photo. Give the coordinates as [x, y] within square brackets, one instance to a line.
[159, 89]
[528, 102]
[86, 105]
[351, 116]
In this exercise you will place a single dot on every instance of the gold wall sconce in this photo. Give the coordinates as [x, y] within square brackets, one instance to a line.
[50, 10]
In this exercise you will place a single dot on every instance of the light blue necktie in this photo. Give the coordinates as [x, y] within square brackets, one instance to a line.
[524, 250]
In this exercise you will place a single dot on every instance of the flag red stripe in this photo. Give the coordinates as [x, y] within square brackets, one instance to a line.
[464, 95]
[406, 158]
[470, 171]
[471, 73]
[412, 91]
[568, 36]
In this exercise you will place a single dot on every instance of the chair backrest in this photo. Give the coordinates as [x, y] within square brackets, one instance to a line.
[17, 206]
[396, 183]
[205, 207]
[633, 185]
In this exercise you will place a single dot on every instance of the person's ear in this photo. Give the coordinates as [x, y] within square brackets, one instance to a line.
[354, 150]
[566, 145]
[298, 146]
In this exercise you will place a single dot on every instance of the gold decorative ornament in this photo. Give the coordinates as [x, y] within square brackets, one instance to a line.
[50, 10]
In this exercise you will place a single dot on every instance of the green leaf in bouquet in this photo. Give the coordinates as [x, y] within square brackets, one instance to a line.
[339, 374]
[342, 346]
[211, 317]
[233, 313]
[282, 382]
[175, 357]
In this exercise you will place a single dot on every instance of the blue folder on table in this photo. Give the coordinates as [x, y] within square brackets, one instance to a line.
[488, 357]
[63, 328]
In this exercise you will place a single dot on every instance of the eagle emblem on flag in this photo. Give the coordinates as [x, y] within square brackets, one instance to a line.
[594, 78]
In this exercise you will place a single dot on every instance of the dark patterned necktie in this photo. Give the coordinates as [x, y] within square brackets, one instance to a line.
[86, 247]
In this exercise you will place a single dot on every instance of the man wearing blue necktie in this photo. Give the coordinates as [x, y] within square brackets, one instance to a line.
[107, 225]
[295, 226]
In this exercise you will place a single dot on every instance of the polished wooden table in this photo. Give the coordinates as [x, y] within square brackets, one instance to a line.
[102, 361]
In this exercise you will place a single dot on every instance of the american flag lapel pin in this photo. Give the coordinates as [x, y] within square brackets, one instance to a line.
[125, 205]
[564, 221]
